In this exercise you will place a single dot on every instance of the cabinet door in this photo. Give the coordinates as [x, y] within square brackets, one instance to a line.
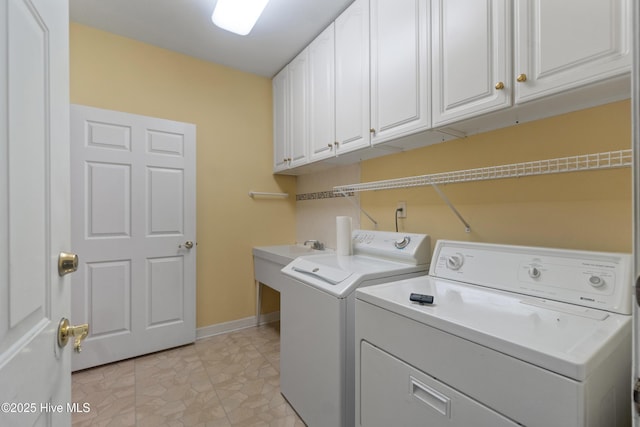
[471, 58]
[352, 77]
[298, 109]
[567, 44]
[400, 69]
[322, 96]
[280, 119]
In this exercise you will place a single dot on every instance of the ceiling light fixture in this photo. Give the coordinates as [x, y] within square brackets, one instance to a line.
[238, 16]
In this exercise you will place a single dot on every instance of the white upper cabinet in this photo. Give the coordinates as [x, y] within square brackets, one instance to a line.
[387, 71]
[322, 96]
[326, 94]
[561, 45]
[280, 85]
[400, 68]
[290, 114]
[352, 77]
[298, 109]
[557, 47]
[471, 58]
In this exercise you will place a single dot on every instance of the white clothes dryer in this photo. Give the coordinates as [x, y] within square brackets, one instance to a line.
[514, 336]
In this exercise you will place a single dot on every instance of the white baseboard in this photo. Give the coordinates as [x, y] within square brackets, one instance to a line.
[234, 325]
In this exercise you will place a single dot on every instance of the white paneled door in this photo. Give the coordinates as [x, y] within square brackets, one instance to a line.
[133, 221]
[35, 380]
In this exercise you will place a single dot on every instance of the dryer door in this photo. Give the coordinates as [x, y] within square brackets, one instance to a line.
[395, 393]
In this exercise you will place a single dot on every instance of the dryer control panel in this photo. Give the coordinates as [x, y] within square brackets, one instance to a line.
[601, 280]
[404, 247]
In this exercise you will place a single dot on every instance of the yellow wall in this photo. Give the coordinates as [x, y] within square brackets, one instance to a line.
[583, 210]
[233, 114]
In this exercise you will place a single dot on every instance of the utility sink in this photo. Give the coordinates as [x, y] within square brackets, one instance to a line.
[269, 260]
[284, 254]
[267, 263]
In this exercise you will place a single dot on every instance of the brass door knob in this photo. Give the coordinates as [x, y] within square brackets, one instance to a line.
[67, 263]
[521, 78]
[499, 86]
[65, 330]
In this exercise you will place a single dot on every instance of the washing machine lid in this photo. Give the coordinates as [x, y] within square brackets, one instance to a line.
[340, 275]
[564, 338]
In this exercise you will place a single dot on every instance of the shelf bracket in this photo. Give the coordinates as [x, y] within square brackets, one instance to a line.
[467, 227]
[357, 205]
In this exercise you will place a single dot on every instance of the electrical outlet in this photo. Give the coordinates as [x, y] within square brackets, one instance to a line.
[403, 206]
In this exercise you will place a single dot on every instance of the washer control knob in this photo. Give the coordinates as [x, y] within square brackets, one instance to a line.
[402, 243]
[534, 272]
[454, 262]
[596, 281]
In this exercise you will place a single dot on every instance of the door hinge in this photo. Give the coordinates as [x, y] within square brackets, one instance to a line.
[636, 395]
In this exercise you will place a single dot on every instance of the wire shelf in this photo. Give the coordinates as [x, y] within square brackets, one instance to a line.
[605, 160]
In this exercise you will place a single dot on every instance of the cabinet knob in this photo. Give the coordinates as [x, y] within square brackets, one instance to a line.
[372, 130]
[521, 78]
[330, 146]
[499, 86]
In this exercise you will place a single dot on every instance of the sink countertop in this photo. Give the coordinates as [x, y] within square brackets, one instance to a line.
[284, 254]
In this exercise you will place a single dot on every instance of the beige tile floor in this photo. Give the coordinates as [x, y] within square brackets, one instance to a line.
[224, 381]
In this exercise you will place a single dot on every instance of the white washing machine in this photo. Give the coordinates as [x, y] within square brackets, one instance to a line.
[515, 336]
[317, 320]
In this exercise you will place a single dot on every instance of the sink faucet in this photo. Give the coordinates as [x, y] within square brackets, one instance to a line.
[315, 244]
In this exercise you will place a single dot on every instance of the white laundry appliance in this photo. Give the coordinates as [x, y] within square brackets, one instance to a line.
[514, 336]
[317, 320]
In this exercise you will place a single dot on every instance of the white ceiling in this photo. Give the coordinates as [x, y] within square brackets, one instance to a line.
[283, 30]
